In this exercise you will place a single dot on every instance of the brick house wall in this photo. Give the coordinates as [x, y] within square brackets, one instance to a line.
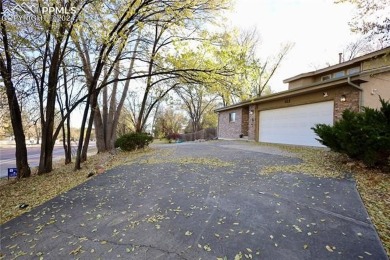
[245, 121]
[247, 116]
[352, 101]
[230, 130]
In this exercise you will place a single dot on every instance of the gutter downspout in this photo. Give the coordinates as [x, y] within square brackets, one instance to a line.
[360, 93]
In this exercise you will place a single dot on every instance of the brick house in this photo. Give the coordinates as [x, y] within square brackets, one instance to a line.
[312, 98]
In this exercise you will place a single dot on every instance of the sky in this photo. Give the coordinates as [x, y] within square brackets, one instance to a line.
[318, 28]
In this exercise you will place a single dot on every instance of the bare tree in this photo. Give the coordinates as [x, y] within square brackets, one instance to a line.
[49, 48]
[106, 121]
[196, 101]
[372, 20]
[264, 72]
[357, 48]
[66, 98]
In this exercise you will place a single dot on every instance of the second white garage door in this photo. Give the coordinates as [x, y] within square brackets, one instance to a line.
[292, 125]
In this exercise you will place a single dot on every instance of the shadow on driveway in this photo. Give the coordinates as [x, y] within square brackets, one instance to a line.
[199, 200]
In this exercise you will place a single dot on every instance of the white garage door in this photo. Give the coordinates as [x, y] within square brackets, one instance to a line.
[292, 125]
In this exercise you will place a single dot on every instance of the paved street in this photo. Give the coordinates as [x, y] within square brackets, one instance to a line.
[7, 156]
[199, 201]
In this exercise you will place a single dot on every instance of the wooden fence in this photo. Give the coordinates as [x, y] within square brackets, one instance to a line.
[204, 134]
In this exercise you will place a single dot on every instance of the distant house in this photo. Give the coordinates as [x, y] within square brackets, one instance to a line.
[314, 97]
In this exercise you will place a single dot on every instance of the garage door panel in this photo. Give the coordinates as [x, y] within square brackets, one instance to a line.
[292, 125]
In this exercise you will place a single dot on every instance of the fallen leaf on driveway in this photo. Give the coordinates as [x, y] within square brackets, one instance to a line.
[76, 251]
[238, 256]
[329, 248]
[297, 228]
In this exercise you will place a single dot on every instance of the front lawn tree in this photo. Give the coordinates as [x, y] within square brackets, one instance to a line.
[164, 70]
[235, 50]
[245, 75]
[6, 70]
[41, 55]
[126, 19]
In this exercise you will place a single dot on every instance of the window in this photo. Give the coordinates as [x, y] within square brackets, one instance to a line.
[339, 74]
[354, 70]
[327, 77]
[232, 117]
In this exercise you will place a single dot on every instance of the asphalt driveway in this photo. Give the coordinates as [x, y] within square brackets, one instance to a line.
[199, 201]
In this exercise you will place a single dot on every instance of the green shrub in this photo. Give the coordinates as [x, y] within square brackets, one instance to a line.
[133, 141]
[361, 135]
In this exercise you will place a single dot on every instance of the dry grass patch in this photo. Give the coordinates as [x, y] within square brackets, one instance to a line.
[372, 184]
[38, 189]
[211, 162]
[374, 188]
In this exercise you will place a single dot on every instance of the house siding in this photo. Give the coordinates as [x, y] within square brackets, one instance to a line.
[301, 82]
[381, 62]
[352, 96]
[230, 130]
[249, 121]
[373, 81]
[377, 85]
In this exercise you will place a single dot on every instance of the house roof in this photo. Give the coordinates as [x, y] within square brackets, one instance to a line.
[357, 60]
[297, 91]
[356, 79]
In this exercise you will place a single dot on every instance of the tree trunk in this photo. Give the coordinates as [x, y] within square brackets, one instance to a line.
[106, 116]
[66, 147]
[140, 124]
[109, 127]
[84, 152]
[37, 133]
[99, 132]
[48, 139]
[69, 144]
[103, 121]
[77, 165]
[91, 103]
[68, 152]
[17, 125]
[90, 124]
[105, 129]
[14, 108]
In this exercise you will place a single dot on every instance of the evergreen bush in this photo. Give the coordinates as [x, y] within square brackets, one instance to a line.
[362, 135]
[133, 141]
